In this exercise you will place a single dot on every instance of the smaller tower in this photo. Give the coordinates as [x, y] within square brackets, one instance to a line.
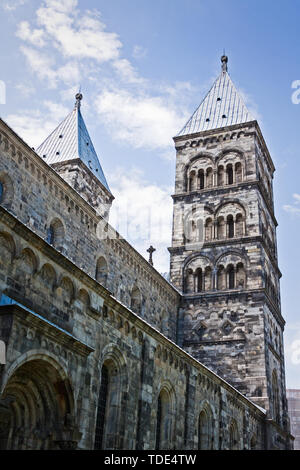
[70, 151]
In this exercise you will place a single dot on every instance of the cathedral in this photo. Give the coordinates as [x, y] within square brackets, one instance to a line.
[99, 350]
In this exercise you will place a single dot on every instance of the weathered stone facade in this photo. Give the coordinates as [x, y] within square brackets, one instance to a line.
[101, 350]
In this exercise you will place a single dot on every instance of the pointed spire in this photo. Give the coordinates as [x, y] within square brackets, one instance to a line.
[222, 106]
[71, 140]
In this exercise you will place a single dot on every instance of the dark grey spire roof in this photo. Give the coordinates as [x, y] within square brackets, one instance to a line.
[222, 106]
[71, 140]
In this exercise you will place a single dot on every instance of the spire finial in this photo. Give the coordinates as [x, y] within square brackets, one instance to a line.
[224, 60]
[78, 97]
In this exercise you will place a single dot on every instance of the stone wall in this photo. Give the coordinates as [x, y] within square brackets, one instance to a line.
[41, 199]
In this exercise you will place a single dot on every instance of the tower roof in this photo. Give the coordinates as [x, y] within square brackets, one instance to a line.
[222, 106]
[71, 140]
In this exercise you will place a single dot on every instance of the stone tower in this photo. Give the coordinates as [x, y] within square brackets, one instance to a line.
[223, 254]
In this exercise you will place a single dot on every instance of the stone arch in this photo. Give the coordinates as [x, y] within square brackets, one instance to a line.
[66, 289]
[102, 271]
[205, 428]
[84, 298]
[56, 233]
[6, 190]
[39, 404]
[233, 435]
[28, 261]
[112, 399]
[136, 300]
[48, 275]
[7, 248]
[165, 417]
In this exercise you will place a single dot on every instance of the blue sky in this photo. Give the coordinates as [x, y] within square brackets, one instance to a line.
[143, 68]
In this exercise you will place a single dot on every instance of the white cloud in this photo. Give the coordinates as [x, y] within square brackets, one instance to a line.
[139, 52]
[34, 126]
[127, 71]
[77, 36]
[293, 209]
[12, 5]
[25, 89]
[34, 36]
[140, 120]
[44, 67]
[142, 213]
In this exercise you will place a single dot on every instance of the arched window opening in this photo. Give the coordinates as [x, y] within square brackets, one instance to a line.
[233, 436]
[102, 271]
[6, 190]
[205, 430]
[253, 442]
[221, 176]
[158, 424]
[136, 300]
[208, 230]
[50, 235]
[221, 227]
[230, 277]
[239, 225]
[240, 275]
[221, 278]
[163, 421]
[229, 172]
[207, 278]
[193, 181]
[238, 172]
[201, 179]
[189, 281]
[209, 178]
[199, 280]
[230, 226]
[101, 412]
[56, 234]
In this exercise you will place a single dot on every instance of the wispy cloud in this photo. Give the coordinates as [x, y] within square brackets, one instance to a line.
[142, 213]
[64, 47]
[12, 5]
[294, 208]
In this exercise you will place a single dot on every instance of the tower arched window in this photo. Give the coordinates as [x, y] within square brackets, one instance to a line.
[208, 229]
[230, 277]
[209, 178]
[208, 278]
[229, 172]
[239, 225]
[199, 280]
[221, 176]
[238, 172]
[221, 278]
[201, 179]
[230, 226]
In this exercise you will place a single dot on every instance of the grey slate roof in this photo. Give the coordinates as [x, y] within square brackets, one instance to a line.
[71, 140]
[222, 106]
